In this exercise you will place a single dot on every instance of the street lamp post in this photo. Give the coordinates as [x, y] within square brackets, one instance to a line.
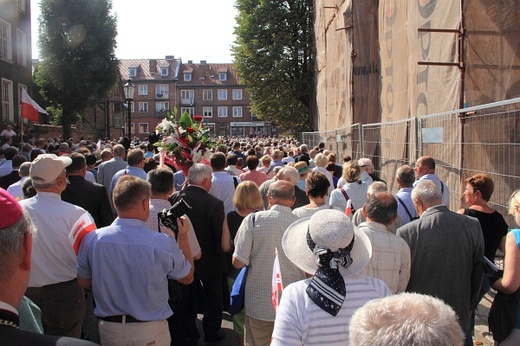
[129, 90]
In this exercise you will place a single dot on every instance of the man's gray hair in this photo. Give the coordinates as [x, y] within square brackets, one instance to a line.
[289, 174]
[198, 172]
[406, 175]
[38, 185]
[12, 240]
[119, 150]
[428, 193]
[24, 169]
[405, 319]
[375, 187]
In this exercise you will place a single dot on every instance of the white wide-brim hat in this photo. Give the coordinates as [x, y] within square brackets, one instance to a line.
[330, 229]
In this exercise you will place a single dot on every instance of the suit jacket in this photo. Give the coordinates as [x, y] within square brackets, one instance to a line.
[447, 252]
[10, 336]
[207, 216]
[9, 179]
[91, 197]
[301, 198]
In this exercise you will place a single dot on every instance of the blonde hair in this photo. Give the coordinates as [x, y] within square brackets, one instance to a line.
[514, 202]
[247, 196]
[351, 171]
[321, 160]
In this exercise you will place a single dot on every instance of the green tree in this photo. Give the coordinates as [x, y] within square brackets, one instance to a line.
[274, 57]
[78, 65]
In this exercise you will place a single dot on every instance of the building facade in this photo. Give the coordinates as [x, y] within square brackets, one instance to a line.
[15, 57]
[211, 90]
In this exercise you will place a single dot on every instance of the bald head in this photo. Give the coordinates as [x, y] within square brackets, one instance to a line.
[281, 192]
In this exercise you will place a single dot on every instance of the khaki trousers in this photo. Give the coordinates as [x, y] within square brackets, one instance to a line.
[258, 332]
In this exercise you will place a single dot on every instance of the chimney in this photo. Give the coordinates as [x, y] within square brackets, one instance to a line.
[203, 63]
[170, 57]
[153, 66]
[190, 62]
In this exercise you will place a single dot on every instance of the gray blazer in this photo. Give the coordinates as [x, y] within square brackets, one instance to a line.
[447, 251]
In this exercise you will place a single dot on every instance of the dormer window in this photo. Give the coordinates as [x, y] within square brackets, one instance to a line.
[187, 77]
[222, 76]
[132, 72]
[164, 71]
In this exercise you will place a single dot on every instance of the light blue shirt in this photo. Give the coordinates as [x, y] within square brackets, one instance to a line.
[135, 171]
[129, 265]
[405, 194]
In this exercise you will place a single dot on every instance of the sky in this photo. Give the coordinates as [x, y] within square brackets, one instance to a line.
[190, 29]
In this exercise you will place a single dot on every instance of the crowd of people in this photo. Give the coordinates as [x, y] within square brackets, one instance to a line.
[360, 265]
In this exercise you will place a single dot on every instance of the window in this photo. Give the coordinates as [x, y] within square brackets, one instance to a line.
[187, 97]
[207, 112]
[222, 112]
[7, 100]
[222, 94]
[188, 110]
[162, 90]
[187, 94]
[207, 94]
[21, 40]
[237, 94]
[132, 72]
[237, 112]
[143, 89]
[187, 77]
[164, 72]
[143, 128]
[162, 106]
[21, 5]
[143, 107]
[5, 41]
[222, 76]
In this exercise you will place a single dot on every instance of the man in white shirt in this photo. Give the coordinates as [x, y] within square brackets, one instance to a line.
[15, 189]
[52, 283]
[223, 184]
[425, 170]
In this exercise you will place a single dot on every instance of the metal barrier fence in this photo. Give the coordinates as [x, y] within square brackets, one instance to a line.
[481, 139]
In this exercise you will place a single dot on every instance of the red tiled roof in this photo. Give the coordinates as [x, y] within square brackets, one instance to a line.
[143, 68]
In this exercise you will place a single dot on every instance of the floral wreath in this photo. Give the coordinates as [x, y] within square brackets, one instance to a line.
[185, 140]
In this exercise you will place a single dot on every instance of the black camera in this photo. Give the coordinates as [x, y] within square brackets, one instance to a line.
[168, 217]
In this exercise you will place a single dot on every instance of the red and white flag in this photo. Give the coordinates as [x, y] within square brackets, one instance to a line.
[276, 282]
[30, 108]
[348, 209]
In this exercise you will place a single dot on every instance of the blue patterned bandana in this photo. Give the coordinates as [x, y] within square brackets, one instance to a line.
[327, 287]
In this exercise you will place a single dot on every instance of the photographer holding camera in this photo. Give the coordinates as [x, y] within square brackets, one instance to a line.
[163, 213]
[128, 266]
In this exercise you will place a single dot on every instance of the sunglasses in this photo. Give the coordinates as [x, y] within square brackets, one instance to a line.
[473, 183]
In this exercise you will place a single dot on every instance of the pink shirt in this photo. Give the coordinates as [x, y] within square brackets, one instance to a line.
[256, 176]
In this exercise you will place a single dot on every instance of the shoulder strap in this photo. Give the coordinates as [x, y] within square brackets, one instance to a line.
[235, 182]
[344, 193]
[347, 198]
[405, 208]
[253, 217]
[442, 187]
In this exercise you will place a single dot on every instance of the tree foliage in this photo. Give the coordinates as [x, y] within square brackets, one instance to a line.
[274, 56]
[78, 66]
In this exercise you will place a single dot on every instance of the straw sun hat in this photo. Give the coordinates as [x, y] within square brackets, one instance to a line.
[330, 229]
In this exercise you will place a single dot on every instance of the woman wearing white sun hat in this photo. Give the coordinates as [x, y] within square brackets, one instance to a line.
[317, 310]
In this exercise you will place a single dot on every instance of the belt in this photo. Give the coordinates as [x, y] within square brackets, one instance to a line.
[120, 318]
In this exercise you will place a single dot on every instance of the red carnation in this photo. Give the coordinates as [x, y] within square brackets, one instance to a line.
[190, 129]
[197, 118]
